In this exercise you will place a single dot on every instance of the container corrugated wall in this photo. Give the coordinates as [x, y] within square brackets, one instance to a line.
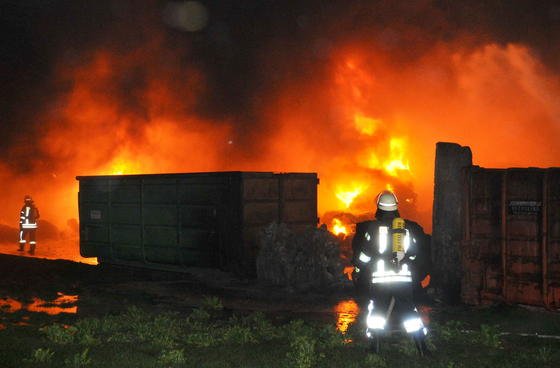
[511, 247]
[195, 219]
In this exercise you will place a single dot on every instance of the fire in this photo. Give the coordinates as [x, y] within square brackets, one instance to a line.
[119, 168]
[152, 106]
[122, 165]
[338, 228]
[366, 125]
[393, 162]
[348, 272]
[347, 197]
[396, 162]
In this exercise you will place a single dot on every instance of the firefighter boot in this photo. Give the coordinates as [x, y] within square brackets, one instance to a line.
[373, 341]
[32, 249]
[420, 342]
[21, 245]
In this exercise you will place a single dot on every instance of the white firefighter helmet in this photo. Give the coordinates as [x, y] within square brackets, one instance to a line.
[387, 201]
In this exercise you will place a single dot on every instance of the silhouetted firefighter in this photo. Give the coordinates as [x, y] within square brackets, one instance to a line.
[386, 255]
[28, 224]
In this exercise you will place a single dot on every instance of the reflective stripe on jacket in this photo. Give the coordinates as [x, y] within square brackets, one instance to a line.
[28, 217]
[376, 255]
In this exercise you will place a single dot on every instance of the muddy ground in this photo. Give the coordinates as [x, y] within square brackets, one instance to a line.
[94, 290]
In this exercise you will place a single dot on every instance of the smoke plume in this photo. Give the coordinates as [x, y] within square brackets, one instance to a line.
[348, 89]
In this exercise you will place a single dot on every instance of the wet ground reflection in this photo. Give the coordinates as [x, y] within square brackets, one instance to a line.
[62, 304]
[30, 287]
[346, 313]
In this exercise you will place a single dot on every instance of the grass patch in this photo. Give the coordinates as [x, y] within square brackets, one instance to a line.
[210, 337]
[41, 356]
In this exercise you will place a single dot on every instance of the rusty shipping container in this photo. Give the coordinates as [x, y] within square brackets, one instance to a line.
[511, 244]
[174, 221]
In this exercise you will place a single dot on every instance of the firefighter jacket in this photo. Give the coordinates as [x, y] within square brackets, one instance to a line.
[28, 216]
[386, 253]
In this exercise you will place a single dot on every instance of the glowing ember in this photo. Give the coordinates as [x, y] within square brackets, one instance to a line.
[348, 272]
[426, 281]
[338, 228]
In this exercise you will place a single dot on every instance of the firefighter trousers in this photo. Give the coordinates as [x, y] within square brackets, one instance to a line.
[394, 303]
[23, 235]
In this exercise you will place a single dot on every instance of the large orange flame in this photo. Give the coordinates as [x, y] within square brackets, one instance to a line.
[363, 124]
[396, 163]
[348, 196]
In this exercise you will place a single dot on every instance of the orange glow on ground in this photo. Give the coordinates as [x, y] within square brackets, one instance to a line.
[50, 249]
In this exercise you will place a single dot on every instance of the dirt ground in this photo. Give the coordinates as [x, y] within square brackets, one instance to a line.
[53, 286]
[68, 249]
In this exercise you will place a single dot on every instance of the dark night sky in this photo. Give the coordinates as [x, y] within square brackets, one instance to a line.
[39, 35]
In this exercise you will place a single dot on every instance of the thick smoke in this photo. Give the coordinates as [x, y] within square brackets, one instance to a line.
[93, 87]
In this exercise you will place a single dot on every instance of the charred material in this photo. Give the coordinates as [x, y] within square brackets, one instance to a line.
[307, 260]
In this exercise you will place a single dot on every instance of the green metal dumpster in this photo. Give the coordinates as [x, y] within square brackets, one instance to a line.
[174, 221]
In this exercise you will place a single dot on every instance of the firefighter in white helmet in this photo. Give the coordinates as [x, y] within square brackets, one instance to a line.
[28, 217]
[385, 252]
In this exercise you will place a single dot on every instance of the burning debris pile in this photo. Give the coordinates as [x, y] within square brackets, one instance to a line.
[310, 260]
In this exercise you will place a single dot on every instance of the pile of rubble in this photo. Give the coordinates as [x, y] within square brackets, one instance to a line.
[309, 260]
